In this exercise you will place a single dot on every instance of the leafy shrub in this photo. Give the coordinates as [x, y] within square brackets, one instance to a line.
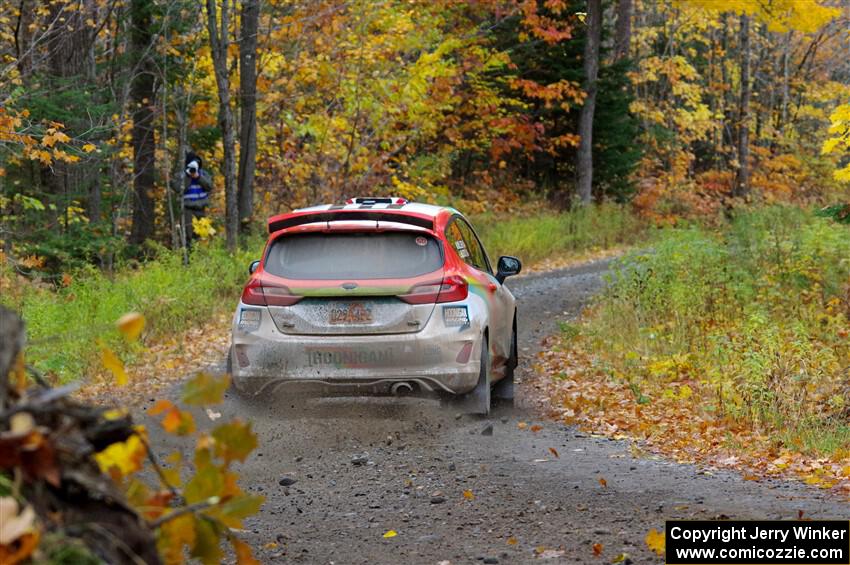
[755, 318]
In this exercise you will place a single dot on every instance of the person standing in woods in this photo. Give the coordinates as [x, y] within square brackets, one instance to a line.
[196, 194]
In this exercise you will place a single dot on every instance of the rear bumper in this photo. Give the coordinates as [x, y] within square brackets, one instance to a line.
[435, 359]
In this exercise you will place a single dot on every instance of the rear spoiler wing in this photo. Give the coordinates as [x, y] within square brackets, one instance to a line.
[284, 221]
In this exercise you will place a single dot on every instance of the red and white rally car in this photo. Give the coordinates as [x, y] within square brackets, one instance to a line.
[377, 296]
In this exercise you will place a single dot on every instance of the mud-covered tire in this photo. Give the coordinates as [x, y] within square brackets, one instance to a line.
[504, 389]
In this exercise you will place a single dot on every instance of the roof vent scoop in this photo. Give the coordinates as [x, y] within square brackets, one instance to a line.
[377, 200]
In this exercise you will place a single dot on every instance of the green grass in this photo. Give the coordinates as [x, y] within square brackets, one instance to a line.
[551, 235]
[64, 326]
[756, 315]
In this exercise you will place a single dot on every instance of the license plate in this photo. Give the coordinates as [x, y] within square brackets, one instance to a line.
[353, 313]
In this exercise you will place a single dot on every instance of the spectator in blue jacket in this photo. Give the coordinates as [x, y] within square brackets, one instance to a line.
[196, 193]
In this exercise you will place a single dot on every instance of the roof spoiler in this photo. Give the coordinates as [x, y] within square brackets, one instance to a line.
[290, 220]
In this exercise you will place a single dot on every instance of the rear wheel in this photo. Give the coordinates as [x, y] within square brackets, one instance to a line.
[504, 389]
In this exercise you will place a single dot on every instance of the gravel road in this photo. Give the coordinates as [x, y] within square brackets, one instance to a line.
[338, 474]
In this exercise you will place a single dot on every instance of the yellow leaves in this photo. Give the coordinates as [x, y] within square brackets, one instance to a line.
[512, 541]
[203, 227]
[655, 541]
[53, 136]
[114, 365]
[122, 458]
[88, 148]
[840, 140]
[390, 534]
[806, 16]
[131, 325]
[468, 495]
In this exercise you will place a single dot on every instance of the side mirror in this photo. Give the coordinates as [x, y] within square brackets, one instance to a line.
[508, 267]
[253, 267]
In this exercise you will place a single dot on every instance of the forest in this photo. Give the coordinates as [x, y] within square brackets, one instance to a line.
[705, 143]
[679, 108]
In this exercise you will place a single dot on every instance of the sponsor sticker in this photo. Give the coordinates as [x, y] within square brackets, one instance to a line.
[456, 316]
[421, 241]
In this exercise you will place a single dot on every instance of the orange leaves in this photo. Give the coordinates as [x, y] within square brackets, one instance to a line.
[561, 93]
[597, 549]
[602, 482]
[54, 136]
[174, 421]
[468, 495]
[213, 489]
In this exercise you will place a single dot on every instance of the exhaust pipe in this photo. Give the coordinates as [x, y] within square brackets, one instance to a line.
[401, 389]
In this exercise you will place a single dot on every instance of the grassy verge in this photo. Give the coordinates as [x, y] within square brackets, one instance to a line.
[65, 324]
[539, 237]
[725, 339]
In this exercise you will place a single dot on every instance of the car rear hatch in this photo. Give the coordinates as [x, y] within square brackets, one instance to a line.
[353, 282]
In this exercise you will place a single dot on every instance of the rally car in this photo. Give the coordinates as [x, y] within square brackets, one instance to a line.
[377, 296]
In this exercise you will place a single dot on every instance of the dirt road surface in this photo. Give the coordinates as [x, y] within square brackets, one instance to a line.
[338, 474]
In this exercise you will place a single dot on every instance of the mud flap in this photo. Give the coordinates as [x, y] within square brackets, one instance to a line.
[477, 401]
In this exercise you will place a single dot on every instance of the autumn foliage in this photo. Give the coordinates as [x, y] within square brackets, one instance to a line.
[81, 484]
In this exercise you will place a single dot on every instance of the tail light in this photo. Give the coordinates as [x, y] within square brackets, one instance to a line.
[258, 294]
[450, 289]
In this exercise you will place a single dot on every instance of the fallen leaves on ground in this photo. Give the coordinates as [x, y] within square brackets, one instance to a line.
[575, 388]
[655, 541]
[166, 360]
[390, 534]
[597, 549]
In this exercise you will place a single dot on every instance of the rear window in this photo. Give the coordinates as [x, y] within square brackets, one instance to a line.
[385, 255]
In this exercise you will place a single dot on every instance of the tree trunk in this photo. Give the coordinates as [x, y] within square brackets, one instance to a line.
[70, 64]
[248, 102]
[142, 102]
[584, 159]
[219, 45]
[786, 47]
[623, 31]
[742, 182]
